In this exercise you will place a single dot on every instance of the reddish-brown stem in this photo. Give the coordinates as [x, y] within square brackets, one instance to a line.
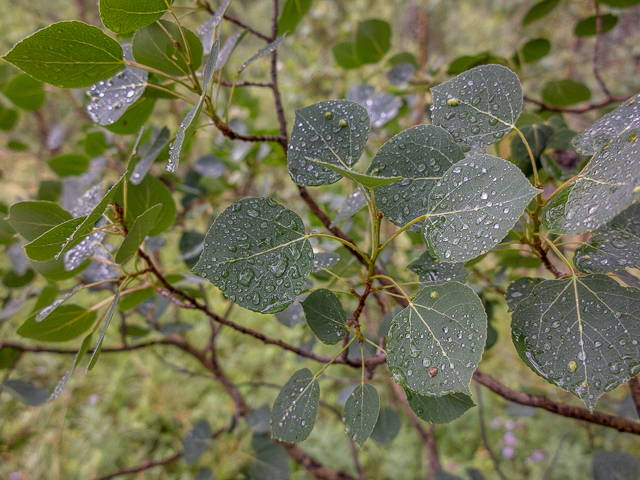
[634, 386]
[578, 110]
[251, 30]
[596, 72]
[485, 438]
[246, 84]
[146, 465]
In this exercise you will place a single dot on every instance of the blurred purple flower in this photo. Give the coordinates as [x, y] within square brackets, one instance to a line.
[495, 423]
[508, 452]
[510, 439]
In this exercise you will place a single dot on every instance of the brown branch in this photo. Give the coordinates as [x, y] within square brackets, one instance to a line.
[228, 132]
[485, 438]
[634, 386]
[594, 61]
[142, 467]
[251, 30]
[245, 84]
[71, 351]
[313, 466]
[544, 257]
[578, 110]
[539, 401]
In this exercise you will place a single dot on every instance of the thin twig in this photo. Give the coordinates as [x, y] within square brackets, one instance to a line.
[485, 438]
[142, 467]
[251, 30]
[553, 461]
[594, 61]
[634, 386]
[578, 110]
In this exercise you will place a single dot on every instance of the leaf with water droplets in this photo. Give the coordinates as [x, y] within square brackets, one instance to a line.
[294, 411]
[623, 118]
[520, 289]
[615, 246]
[139, 230]
[479, 106]
[47, 246]
[439, 410]
[352, 205]
[188, 126]
[205, 31]
[111, 98]
[257, 253]
[335, 132]
[436, 343]
[473, 207]
[382, 107]
[33, 218]
[126, 16]
[67, 55]
[322, 260]
[325, 316]
[369, 181]
[420, 155]
[431, 270]
[263, 52]
[196, 441]
[271, 460]
[64, 323]
[361, 412]
[228, 48]
[580, 333]
[107, 320]
[45, 311]
[608, 184]
[148, 154]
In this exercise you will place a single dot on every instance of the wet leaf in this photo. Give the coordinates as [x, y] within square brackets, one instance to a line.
[439, 410]
[580, 333]
[25, 92]
[325, 316]
[292, 315]
[107, 320]
[431, 270]
[43, 311]
[562, 93]
[322, 260]
[520, 289]
[361, 412]
[148, 154]
[258, 420]
[137, 233]
[473, 207]
[615, 246]
[387, 427]
[401, 73]
[335, 132]
[436, 343]
[382, 107]
[292, 13]
[65, 323]
[135, 116]
[420, 155]
[32, 219]
[479, 106]
[263, 52]
[67, 55]
[369, 181]
[294, 411]
[257, 253]
[608, 184]
[205, 31]
[539, 10]
[352, 205]
[47, 246]
[227, 49]
[196, 442]
[373, 40]
[125, 16]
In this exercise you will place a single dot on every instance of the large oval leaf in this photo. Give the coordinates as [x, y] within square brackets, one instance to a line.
[565, 92]
[335, 132]
[325, 316]
[474, 206]
[361, 412]
[439, 410]
[33, 218]
[257, 253]
[68, 55]
[294, 411]
[126, 16]
[420, 155]
[436, 343]
[479, 106]
[373, 39]
[580, 333]
[64, 323]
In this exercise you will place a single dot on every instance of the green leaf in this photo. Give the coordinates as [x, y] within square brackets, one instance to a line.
[535, 49]
[49, 190]
[142, 197]
[154, 46]
[205, 31]
[187, 128]
[467, 62]
[439, 410]
[607, 185]
[292, 13]
[271, 462]
[7, 232]
[32, 219]
[369, 181]
[474, 206]
[373, 40]
[335, 132]
[25, 92]
[615, 246]
[623, 118]
[125, 16]
[55, 269]
[47, 246]
[431, 270]
[580, 333]
[436, 343]
[13, 279]
[478, 107]
[8, 356]
[196, 442]
[84, 348]
[135, 116]
[134, 299]
[107, 320]
[294, 411]
[67, 55]
[69, 165]
[292, 316]
[588, 26]
[344, 53]
[137, 233]
[65, 323]
[539, 10]
[191, 245]
[227, 49]
[361, 412]
[27, 392]
[520, 289]
[148, 154]
[562, 93]
[256, 252]
[420, 155]
[325, 316]
[8, 118]
[95, 143]
[536, 136]
[387, 427]
[614, 465]
[270, 48]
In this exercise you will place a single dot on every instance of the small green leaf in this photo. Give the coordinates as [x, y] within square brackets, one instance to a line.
[520, 289]
[615, 246]
[294, 412]
[196, 442]
[588, 26]
[13, 279]
[540, 10]
[562, 93]
[387, 427]
[580, 333]
[270, 48]
[535, 49]
[84, 348]
[67, 55]
[430, 270]
[142, 197]
[155, 46]
[344, 53]
[257, 253]
[134, 299]
[614, 465]
[325, 316]
[467, 62]
[65, 323]
[32, 219]
[95, 143]
[292, 316]
[69, 165]
[480, 106]
[474, 206]
[137, 233]
[191, 245]
[292, 13]
[25, 92]
[373, 40]
[8, 356]
[361, 412]
[8, 118]
[439, 410]
[360, 178]
[335, 132]
[126, 16]
[7, 232]
[135, 116]
[107, 320]
[436, 343]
